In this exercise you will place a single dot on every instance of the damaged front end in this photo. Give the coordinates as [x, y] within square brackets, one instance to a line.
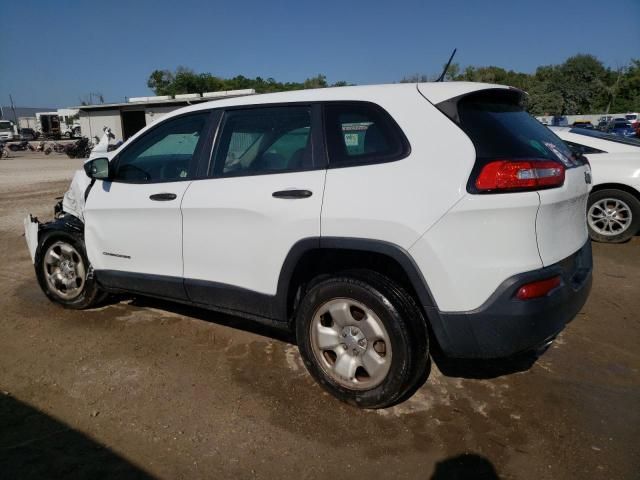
[68, 215]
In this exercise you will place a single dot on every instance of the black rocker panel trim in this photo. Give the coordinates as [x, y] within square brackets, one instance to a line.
[241, 300]
[161, 286]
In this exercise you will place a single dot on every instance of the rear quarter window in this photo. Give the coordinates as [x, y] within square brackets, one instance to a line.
[361, 133]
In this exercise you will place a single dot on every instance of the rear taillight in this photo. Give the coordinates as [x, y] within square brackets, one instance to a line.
[506, 175]
[538, 289]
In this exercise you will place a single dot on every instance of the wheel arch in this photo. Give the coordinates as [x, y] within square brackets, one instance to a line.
[313, 257]
[67, 224]
[616, 186]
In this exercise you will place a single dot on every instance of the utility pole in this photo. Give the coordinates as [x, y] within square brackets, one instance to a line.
[15, 119]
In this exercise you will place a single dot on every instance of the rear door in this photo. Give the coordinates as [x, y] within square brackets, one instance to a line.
[263, 194]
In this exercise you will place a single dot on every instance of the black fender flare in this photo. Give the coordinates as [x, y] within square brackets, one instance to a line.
[65, 224]
[395, 252]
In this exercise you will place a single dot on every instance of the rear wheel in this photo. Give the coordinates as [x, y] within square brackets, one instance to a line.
[63, 273]
[613, 216]
[362, 338]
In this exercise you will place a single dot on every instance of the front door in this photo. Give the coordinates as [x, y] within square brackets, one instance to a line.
[133, 224]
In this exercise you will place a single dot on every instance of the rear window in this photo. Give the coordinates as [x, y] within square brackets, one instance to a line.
[607, 136]
[500, 128]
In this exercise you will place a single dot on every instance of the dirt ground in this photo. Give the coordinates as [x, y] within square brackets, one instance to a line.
[145, 389]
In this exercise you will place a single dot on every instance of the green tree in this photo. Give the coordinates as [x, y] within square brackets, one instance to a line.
[185, 80]
[580, 85]
[160, 82]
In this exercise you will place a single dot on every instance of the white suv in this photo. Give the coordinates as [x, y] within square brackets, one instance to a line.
[371, 220]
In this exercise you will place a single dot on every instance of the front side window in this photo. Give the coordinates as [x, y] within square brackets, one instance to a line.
[360, 133]
[163, 154]
[264, 140]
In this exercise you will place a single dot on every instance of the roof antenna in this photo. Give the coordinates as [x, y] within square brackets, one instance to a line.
[446, 67]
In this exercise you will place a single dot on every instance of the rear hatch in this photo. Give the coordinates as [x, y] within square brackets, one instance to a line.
[516, 153]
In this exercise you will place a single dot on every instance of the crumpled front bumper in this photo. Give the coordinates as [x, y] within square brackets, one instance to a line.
[31, 227]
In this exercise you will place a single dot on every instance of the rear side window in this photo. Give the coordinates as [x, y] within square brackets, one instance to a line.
[579, 149]
[607, 136]
[264, 140]
[500, 128]
[361, 133]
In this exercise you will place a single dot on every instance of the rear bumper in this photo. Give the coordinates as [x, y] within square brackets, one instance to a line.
[504, 325]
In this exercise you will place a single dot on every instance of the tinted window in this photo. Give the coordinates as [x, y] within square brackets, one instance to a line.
[359, 133]
[164, 153]
[607, 136]
[500, 128]
[264, 140]
[579, 149]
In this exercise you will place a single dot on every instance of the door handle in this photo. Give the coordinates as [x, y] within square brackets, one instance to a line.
[292, 194]
[163, 197]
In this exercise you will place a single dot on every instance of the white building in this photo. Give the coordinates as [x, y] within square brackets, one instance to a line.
[127, 118]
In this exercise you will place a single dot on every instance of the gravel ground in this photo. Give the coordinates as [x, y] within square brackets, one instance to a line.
[146, 389]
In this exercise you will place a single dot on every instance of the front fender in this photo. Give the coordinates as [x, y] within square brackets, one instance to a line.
[36, 233]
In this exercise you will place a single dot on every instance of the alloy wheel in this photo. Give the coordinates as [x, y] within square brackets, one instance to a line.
[609, 216]
[64, 270]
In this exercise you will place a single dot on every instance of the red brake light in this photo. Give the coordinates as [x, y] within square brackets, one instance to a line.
[538, 289]
[520, 175]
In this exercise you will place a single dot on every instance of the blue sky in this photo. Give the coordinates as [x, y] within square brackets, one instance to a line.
[54, 52]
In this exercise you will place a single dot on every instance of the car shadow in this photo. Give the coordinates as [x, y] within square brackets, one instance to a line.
[485, 368]
[33, 445]
[450, 367]
[468, 466]
[266, 330]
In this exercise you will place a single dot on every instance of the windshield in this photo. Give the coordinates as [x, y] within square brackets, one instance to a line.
[5, 125]
[631, 117]
[606, 136]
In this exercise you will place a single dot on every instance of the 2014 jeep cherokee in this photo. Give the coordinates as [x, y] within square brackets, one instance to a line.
[371, 220]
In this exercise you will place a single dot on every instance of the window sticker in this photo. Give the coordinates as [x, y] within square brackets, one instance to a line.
[561, 156]
[351, 139]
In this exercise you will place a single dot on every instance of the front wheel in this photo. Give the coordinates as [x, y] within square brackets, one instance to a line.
[63, 272]
[362, 338]
[613, 216]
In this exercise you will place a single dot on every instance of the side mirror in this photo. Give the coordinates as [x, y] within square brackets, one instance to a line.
[98, 168]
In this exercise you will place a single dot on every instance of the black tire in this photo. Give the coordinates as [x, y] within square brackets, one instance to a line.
[90, 295]
[633, 205]
[402, 320]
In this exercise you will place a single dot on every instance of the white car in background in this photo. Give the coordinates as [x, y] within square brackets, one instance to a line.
[613, 212]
